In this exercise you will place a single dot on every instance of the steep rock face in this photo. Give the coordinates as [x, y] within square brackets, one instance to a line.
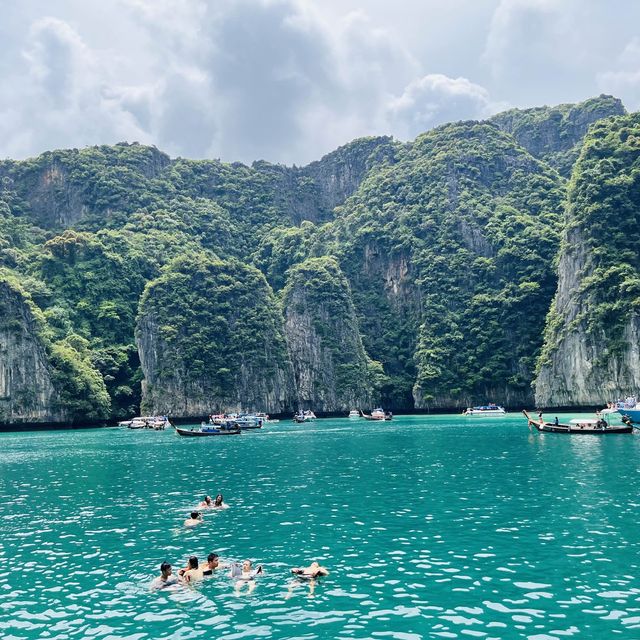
[554, 134]
[331, 368]
[60, 189]
[591, 351]
[27, 391]
[450, 262]
[325, 184]
[210, 339]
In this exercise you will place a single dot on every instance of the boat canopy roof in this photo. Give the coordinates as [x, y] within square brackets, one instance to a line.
[584, 421]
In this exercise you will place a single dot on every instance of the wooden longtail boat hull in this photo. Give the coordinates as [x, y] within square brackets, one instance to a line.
[551, 427]
[198, 434]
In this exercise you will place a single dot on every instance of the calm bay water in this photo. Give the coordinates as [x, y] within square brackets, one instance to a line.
[432, 527]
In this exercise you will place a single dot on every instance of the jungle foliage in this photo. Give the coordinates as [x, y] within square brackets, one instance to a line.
[448, 247]
[216, 320]
[602, 218]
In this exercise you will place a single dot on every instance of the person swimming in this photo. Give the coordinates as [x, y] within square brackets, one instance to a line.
[206, 503]
[165, 579]
[219, 503]
[192, 571]
[213, 563]
[308, 574]
[314, 570]
[194, 520]
[245, 574]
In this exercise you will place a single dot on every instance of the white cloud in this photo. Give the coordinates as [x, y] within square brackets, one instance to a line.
[435, 99]
[624, 79]
[60, 99]
[283, 80]
[530, 40]
[550, 51]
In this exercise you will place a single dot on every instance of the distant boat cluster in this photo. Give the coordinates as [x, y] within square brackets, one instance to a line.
[157, 423]
[220, 424]
[227, 424]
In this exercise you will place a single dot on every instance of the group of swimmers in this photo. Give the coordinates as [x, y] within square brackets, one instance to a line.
[207, 503]
[243, 574]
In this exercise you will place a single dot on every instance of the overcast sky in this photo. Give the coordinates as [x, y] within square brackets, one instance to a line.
[290, 80]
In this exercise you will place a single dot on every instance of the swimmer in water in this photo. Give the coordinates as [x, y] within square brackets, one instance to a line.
[246, 576]
[310, 573]
[195, 519]
[165, 579]
[192, 571]
[213, 563]
[219, 503]
[207, 503]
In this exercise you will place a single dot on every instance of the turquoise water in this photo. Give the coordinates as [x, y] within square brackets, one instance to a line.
[432, 527]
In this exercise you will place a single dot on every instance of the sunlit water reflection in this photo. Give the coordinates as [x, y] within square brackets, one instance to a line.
[438, 527]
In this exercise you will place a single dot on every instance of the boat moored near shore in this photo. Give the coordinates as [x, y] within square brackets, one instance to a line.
[377, 414]
[207, 430]
[629, 407]
[157, 423]
[578, 426]
[488, 410]
[304, 416]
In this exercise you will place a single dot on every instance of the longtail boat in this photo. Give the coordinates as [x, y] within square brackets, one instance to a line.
[580, 426]
[206, 431]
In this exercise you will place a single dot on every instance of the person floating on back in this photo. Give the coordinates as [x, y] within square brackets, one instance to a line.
[245, 574]
[310, 573]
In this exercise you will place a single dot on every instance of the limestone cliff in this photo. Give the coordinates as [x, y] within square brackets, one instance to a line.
[325, 184]
[62, 189]
[210, 339]
[555, 134]
[332, 371]
[27, 391]
[450, 261]
[592, 342]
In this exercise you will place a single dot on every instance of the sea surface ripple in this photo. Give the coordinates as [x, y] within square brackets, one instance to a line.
[431, 527]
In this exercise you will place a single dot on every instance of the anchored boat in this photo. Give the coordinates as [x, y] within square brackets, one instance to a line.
[629, 407]
[378, 414]
[304, 416]
[205, 430]
[579, 426]
[158, 423]
[489, 410]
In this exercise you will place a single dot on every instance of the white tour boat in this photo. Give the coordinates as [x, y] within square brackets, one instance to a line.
[489, 410]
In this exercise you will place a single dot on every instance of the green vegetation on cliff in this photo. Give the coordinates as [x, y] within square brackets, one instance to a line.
[450, 253]
[211, 327]
[326, 348]
[61, 369]
[434, 258]
[554, 134]
[602, 217]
